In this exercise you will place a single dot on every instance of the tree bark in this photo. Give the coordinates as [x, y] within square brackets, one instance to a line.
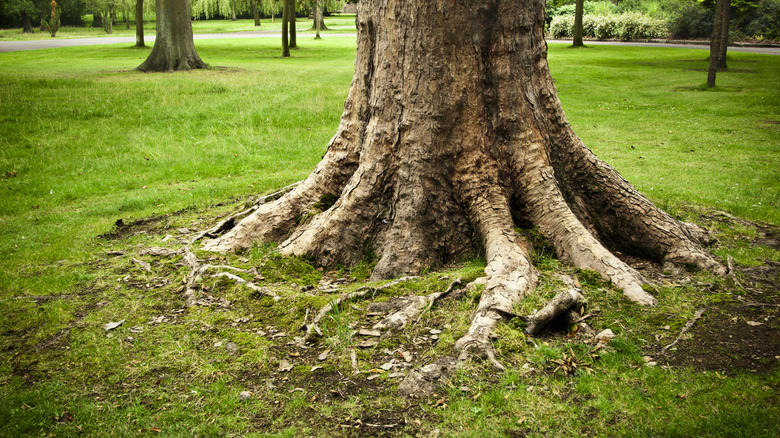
[577, 31]
[174, 48]
[452, 133]
[26, 24]
[139, 23]
[715, 42]
[724, 36]
[317, 18]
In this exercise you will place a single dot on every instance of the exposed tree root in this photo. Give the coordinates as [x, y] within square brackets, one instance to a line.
[313, 329]
[561, 303]
[412, 308]
[198, 270]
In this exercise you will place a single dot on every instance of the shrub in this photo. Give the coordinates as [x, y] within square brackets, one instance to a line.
[629, 26]
[689, 20]
[766, 20]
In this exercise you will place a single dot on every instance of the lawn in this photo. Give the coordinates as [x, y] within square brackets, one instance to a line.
[85, 142]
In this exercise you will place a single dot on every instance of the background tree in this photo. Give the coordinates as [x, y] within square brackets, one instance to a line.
[285, 31]
[139, 23]
[577, 30]
[174, 47]
[452, 136]
[272, 7]
[23, 10]
[716, 40]
[256, 12]
[724, 36]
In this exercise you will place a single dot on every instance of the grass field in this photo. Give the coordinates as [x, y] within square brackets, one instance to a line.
[85, 141]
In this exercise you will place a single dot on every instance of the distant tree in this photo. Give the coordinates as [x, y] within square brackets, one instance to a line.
[716, 40]
[255, 12]
[271, 7]
[577, 31]
[22, 10]
[174, 47]
[285, 33]
[139, 23]
[291, 20]
[724, 36]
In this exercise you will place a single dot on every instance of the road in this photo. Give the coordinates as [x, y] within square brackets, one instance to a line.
[14, 46]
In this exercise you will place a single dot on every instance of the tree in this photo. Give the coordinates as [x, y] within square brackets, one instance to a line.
[174, 47]
[23, 10]
[255, 12]
[285, 33]
[724, 36]
[292, 7]
[452, 136]
[139, 23]
[577, 31]
[716, 40]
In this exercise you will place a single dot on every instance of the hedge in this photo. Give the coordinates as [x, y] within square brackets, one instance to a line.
[624, 27]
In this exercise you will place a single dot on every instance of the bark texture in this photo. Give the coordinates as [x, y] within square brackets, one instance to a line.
[452, 135]
[174, 47]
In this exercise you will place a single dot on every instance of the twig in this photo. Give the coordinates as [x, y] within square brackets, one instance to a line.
[687, 327]
[562, 302]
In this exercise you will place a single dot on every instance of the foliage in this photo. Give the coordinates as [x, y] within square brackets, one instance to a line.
[625, 27]
[763, 20]
[691, 20]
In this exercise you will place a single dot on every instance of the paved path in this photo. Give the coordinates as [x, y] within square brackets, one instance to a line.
[13, 46]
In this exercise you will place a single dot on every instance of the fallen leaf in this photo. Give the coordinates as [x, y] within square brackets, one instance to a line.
[285, 366]
[112, 325]
[368, 343]
[754, 323]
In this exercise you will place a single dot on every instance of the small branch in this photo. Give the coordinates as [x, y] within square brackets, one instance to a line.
[687, 327]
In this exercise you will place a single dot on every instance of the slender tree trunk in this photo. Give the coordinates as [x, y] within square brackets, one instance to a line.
[291, 19]
[285, 33]
[26, 25]
[317, 18]
[126, 16]
[715, 42]
[452, 133]
[233, 10]
[97, 19]
[255, 13]
[724, 36]
[139, 23]
[174, 48]
[43, 25]
[577, 31]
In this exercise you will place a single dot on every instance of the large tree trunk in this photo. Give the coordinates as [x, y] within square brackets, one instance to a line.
[26, 25]
[452, 134]
[174, 48]
[139, 23]
[97, 19]
[577, 31]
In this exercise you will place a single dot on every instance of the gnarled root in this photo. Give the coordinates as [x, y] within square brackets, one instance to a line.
[510, 276]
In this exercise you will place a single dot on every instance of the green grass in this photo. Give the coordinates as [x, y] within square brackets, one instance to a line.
[335, 24]
[85, 141]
